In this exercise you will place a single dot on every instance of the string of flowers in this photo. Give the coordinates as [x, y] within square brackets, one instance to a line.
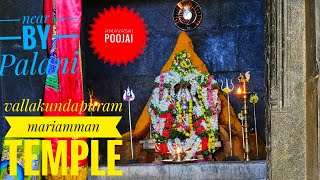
[161, 86]
[184, 109]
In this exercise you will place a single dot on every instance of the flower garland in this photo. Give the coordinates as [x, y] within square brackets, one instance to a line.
[184, 109]
[254, 99]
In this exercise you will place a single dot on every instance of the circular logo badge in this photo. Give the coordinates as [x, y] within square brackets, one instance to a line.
[118, 35]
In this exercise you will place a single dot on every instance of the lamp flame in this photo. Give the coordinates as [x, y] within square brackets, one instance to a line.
[178, 150]
[96, 103]
[239, 91]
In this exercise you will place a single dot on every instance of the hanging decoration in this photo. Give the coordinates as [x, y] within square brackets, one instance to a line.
[60, 87]
[187, 15]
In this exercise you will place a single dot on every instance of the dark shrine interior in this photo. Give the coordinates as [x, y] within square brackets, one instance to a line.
[230, 41]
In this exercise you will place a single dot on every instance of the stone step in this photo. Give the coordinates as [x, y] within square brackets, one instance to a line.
[252, 170]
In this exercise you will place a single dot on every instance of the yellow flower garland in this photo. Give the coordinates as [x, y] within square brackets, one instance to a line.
[179, 114]
[211, 138]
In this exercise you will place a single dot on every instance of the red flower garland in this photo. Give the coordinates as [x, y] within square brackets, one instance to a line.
[166, 133]
[204, 143]
[168, 125]
[163, 148]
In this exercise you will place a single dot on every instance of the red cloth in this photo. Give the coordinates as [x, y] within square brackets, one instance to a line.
[70, 85]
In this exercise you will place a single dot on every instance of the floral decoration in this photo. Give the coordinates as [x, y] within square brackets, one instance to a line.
[254, 99]
[184, 109]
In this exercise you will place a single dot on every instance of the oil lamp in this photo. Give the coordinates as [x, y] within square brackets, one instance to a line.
[178, 154]
[187, 14]
[95, 103]
[243, 93]
[92, 102]
[90, 92]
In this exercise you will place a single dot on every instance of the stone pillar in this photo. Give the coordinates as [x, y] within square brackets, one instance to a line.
[292, 142]
[317, 20]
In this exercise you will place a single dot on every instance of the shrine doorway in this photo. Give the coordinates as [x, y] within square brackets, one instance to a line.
[287, 71]
[230, 41]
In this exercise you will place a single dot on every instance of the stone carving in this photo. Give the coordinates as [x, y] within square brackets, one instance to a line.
[291, 97]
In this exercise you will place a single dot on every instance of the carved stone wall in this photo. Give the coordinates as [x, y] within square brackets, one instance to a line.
[291, 89]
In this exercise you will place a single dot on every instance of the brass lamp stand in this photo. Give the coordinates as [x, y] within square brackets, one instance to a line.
[243, 93]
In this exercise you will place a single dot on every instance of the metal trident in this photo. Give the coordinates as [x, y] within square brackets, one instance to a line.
[129, 96]
[227, 90]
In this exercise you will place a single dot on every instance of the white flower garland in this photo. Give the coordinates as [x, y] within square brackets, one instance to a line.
[193, 150]
[171, 149]
[165, 95]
